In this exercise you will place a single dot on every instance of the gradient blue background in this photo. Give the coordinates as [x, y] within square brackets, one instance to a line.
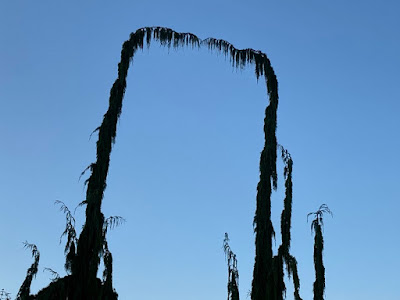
[184, 168]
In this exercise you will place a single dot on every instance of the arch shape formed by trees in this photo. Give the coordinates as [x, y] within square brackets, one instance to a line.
[84, 254]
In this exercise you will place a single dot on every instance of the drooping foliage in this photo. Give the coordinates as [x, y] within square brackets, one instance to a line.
[25, 288]
[233, 273]
[316, 226]
[109, 292]
[53, 273]
[84, 254]
[286, 223]
[91, 239]
[276, 286]
[70, 232]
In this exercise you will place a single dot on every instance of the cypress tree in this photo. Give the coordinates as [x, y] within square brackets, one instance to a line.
[316, 226]
[84, 254]
[90, 241]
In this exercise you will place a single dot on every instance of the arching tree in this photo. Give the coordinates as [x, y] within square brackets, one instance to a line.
[91, 240]
[316, 226]
[84, 254]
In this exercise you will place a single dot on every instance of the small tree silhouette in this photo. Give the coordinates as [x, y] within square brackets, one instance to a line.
[276, 289]
[233, 273]
[316, 226]
[30, 274]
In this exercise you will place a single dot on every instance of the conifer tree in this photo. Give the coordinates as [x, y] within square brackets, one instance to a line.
[84, 253]
[90, 241]
[316, 226]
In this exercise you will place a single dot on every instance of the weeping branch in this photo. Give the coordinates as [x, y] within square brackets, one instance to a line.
[53, 273]
[276, 289]
[70, 232]
[109, 291]
[25, 288]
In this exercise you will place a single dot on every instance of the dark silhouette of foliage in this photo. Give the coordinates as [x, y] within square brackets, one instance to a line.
[25, 288]
[91, 240]
[286, 223]
[316, 226]
[276, 286]
[83, 254]
[233, 273]
[53, 273]
[70, 232]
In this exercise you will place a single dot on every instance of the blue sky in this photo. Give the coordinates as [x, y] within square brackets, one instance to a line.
[184, 168]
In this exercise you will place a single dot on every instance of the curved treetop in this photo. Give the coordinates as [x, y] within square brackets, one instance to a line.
[83, 261]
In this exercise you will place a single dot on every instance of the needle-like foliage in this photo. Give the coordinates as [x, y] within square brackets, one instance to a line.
[276, 286]
[233, 273]
[91, 240]
[25, 288]
[286, 223]
[109, 292]
[53, 273]
[70, 232]
[316, 226]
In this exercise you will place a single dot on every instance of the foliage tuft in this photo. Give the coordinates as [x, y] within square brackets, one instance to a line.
[316, 226]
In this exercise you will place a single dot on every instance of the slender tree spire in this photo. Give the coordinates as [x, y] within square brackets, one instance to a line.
[286, 223]
[316, 226]
[233, 273]
[276, 286]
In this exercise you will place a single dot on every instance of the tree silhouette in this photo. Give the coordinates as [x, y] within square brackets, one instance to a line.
[233, 273]
[276, 286]
[83, 254]
[316, 226]
[25, 288]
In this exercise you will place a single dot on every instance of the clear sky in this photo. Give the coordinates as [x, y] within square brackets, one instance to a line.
[184, 168]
